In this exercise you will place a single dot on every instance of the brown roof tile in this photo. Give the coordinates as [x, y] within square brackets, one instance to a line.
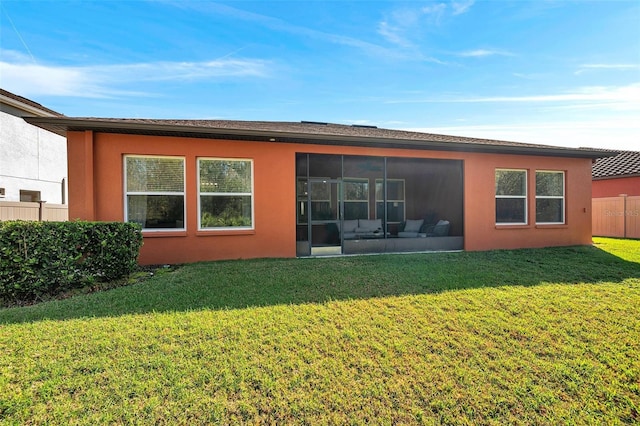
[305, 132]
[312, 128]
[626, 163]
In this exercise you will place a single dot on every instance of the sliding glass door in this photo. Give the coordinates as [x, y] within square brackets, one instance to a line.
[324, 205]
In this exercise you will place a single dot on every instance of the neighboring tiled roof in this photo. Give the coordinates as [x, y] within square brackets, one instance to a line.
[305, 132]
[626, 163]
[28, 102]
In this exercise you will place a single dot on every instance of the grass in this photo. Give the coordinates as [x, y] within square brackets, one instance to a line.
[505, 337]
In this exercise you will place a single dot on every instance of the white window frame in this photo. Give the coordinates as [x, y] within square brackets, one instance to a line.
[525, 197]
[553, 197]
[226, 194]
[183, 193]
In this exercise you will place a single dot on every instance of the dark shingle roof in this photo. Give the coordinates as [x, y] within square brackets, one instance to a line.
[626, 163]
[304, 132]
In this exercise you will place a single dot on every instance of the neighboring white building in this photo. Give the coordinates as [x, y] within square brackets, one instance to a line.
[33, 161]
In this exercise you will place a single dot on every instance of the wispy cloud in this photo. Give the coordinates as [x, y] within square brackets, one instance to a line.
[439, 10]
[529, 76]
[393, 30]
[620, 67]
[392, 34]
[460, 7]
[22, 75]
[480, 53]
[617, 132]
[628, 96]
[399, 26]
[406, 26]
[435, 12]
[281, 25]
[185, 71]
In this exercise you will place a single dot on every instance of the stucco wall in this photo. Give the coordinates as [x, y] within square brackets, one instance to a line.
[616, 186]
[31, 159]
[96, 193]
[481, 232]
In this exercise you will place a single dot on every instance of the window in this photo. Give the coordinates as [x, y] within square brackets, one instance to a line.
[29, 196]
[511, 196]
[154, 188]
[395, 200]
[356, 198]
[549, 197]
[225, 193]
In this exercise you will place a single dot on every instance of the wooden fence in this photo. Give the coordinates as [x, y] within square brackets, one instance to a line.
[616, 217]
[10, 210]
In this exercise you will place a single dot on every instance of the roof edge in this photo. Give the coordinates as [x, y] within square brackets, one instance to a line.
[630, 175]
[27, 105]
[61, 125]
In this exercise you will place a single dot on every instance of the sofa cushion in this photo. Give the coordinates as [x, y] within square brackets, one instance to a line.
[350, 225]
[413, 225]
[369, 225]
[367, 231]
[441, 229]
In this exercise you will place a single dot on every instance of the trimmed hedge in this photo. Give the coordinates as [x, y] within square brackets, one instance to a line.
[46, 258]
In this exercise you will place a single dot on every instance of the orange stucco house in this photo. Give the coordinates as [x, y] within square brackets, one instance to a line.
[206, 190]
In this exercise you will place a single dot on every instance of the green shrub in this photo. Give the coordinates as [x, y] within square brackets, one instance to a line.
[46, 258]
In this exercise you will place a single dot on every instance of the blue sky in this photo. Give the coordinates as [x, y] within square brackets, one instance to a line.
[563, 73]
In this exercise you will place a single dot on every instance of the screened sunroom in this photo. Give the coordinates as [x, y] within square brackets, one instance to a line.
[349, 204]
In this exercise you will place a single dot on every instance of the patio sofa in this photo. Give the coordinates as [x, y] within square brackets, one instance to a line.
[419, 229]
[362, 228]
[372, 228]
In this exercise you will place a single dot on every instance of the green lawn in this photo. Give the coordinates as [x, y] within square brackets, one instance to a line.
[505, 337]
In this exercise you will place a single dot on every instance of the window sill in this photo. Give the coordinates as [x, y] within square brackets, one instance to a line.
[552, 226]
[163, 234]
[514, 226]
[221, 232]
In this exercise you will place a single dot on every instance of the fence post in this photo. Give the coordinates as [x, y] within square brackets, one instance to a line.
[624, 215]
[40, 210]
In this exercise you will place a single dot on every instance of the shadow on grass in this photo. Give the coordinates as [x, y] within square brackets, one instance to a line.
[267, 282]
